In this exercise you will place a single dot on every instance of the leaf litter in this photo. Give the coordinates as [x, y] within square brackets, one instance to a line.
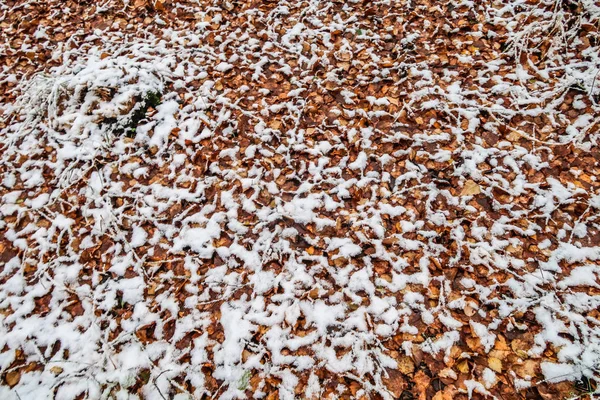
[223, 199]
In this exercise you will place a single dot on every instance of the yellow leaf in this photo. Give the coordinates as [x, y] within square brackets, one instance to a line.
[512, 249]
[463, 366]
[495, 364]
[56, 370]
[501, 344]
[471, 188]
[513, 136]
[406, 365]
[522, 353]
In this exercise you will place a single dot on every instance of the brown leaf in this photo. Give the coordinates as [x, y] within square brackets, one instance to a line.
[527, 369]
[159, 5]
[551, 392]
[393, 100]
[490, 137]
[273, 395]
[443, 395]
[12, 378]
[421, 384]
[395, 382]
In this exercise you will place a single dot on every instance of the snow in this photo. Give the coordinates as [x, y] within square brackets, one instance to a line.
[486, 337]
[557, 372]
[475, 387]
[360, 162]
[489, 378]
[223, 67]
[237, 330]
[322, 315]
[244, 234]
[345, 247]
[138, 237]
[39, 201]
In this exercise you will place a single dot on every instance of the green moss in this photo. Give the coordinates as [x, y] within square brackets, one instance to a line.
[152, 99]
[144, 376]
[129, 127]
[245, 380]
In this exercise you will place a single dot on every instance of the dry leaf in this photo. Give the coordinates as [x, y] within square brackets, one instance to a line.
[495, 364]
[406, 365]
[471, 188]
[470, 308]
[395, 382]
[448, 373]
[445, 394]
[56, 370]
[12, 378]
[421, 384]
[501, 344]
[450, 391]
[463, 366]
[527, 369]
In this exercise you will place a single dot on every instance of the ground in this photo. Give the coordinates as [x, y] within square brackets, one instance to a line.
[314, 199]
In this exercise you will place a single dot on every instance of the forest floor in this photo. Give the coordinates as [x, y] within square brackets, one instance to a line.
[299, 199]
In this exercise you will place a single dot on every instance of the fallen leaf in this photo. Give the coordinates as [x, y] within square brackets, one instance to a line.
[395, 382]
[159, 5]
[527, 369]
[463, 366]
[421, 384]
[406, 365]
[471, 188]
[448, 373]
[470, 308]
[495, 364]
[56, 370]
[12, 378]
[443, 395]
